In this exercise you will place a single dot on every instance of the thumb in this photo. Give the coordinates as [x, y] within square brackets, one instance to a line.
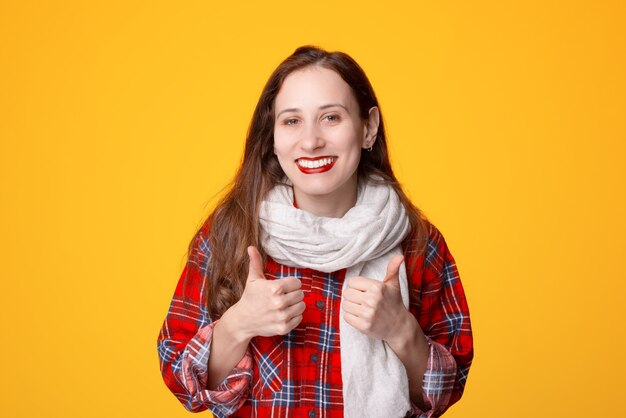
[255, 268]
[393, 268]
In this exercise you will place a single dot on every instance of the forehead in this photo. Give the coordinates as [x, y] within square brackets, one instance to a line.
[313, 87]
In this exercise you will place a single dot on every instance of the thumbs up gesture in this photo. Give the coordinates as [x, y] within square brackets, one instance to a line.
[373, 307]
[268, 307]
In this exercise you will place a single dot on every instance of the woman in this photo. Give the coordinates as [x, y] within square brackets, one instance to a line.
[316, 288]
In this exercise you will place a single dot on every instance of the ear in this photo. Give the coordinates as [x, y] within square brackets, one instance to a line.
[370, 133]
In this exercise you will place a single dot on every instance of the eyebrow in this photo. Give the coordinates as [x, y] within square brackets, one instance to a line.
[326, 106]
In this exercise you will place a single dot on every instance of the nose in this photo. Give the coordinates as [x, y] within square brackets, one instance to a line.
[311, 138]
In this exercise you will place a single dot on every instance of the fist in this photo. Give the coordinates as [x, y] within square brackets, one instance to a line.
[373, 307]
[268, 307]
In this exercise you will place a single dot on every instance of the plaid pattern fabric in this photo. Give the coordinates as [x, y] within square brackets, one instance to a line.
[299, 374]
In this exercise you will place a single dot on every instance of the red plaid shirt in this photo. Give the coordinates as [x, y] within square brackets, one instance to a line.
[299, 374]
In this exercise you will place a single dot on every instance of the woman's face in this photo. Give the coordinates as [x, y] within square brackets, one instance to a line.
[318, 137]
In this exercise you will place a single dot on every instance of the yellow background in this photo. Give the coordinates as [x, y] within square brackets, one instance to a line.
[120, 120]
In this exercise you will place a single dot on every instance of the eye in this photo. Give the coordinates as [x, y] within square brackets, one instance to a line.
[290, 121]
[332, 118]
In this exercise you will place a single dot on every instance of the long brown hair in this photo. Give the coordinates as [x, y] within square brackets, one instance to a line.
[234, 224]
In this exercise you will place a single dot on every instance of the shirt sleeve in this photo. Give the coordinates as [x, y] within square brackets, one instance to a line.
[438, 302]
[184, 344]
[438, 383]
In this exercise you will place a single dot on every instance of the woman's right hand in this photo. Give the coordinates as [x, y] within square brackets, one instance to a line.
[267, 307]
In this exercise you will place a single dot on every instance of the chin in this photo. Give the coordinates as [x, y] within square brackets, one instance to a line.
[317, 190]
[320, 187]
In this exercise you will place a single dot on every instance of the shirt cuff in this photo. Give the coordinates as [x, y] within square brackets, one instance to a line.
[229, 395]
[438, 383]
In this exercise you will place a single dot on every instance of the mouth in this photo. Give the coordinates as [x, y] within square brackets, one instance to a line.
[315, 165]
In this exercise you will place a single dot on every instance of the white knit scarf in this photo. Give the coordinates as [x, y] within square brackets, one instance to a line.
[364, 240]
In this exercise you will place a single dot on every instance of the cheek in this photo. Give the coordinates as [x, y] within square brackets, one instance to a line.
[352, 150]
[282, 152]
[349, 138]
[279, 144]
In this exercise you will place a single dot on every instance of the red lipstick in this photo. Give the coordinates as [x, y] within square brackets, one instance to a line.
[316, 170]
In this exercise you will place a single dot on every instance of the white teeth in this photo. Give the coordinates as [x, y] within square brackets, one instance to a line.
[315, 163]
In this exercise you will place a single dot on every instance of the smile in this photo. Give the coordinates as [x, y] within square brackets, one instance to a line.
[315, 165]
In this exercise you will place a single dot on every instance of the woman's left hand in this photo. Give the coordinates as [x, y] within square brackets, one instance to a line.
[373, 307]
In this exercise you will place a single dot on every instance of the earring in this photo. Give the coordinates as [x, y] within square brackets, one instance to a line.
[369, 149]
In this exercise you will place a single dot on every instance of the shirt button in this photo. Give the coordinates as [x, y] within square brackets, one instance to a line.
[314, 359]
[319, 304]
[312, 413]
